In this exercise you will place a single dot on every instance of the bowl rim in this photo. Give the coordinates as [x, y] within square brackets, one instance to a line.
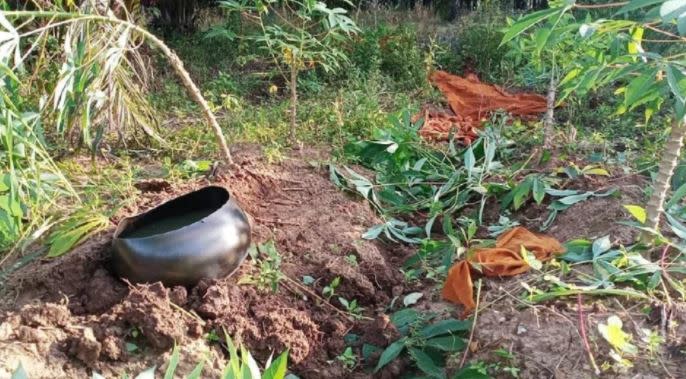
[125, 222]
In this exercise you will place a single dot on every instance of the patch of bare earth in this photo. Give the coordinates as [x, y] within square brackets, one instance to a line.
[546, 342]
[66, 317]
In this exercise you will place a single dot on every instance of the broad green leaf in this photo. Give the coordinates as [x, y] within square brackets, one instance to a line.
[558, 193]
[571, 200]
[538, 190]
[344, 302]
[472, 372]
[373, 232]
[597, 171]
[5, 181]
[570, 76]
[672, 9]
[639, 89]
[655, 280]
[677, 82]
[639, 213]
[11, 206]
[197, 370]
[253, 370]
[601, 245]
[677, 227]
[578, 251]
[425, 363]
[412, 298]
[528, 21]
[676, 196]
[521, 192]
[277, 370]
[445, 327]
[637, 4]
[173, 362]
[447, 343]
[391, 352]
[469, 161]
[403, 318]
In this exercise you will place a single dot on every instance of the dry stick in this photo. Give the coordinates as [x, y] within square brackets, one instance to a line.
[471, 332]
[186, 313]
[582, 331]
[173, 59]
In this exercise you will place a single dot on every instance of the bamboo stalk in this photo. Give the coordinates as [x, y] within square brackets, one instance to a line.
[171, 56]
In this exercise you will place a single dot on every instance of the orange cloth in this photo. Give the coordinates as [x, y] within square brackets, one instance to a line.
[472, 102]
[504, 259]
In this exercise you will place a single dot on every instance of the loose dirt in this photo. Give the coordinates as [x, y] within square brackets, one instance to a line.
[73, 311]
[68, 317]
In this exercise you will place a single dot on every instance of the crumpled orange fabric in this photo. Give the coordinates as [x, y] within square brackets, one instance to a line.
[472, 103]
[504, 259]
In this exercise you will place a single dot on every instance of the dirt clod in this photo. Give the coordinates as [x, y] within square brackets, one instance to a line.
[85, 347]
[147, 308]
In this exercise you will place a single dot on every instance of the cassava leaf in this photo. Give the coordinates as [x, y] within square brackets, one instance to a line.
[445, 327]
[390, 353]
[528, 21]
[425, 363]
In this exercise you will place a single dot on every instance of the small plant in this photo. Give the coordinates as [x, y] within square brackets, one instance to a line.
[243, 366]
[351, 307]
[423, 340]
[348, 358]
[351, 259]
[304, 35]
[509, 367]
[212, 336]
[573, 171]
[268, 261]
[619, 341]
[330, 290]
[653, 341]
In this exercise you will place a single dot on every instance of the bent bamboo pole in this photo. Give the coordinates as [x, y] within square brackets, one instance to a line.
[171, 56]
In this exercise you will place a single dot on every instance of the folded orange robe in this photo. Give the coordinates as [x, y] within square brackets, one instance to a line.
[505, 259]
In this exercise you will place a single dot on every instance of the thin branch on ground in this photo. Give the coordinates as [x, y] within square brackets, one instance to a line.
[471, 332]
[584, 337]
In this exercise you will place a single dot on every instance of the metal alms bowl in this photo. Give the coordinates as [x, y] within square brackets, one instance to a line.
[202, 234]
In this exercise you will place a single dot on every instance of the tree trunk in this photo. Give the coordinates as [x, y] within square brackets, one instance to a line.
[669, 161]
[294, 101]
[549, 117]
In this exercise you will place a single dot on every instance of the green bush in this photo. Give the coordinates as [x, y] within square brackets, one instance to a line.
[392, 50]
[475, 48]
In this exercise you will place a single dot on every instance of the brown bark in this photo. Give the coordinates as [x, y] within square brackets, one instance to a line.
[549, 116]
[669, 161]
